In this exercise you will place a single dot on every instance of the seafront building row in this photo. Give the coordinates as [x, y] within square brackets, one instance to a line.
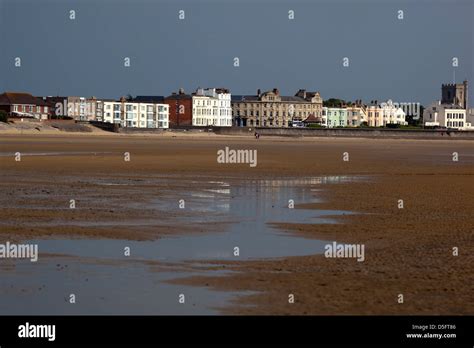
[217, 107]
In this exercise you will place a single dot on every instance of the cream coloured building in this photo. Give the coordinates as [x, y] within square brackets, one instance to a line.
[270, 109]
[136, 115]
[212, 107]
[374, 116]
[392, 113]
[356, 115]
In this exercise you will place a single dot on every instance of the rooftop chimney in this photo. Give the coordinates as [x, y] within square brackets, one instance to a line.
[301, 93]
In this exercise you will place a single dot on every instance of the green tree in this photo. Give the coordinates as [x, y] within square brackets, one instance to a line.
[333, 103]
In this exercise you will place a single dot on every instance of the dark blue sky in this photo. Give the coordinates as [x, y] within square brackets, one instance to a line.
[405, 60]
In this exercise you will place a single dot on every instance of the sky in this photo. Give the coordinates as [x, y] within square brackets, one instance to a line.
[405, 60]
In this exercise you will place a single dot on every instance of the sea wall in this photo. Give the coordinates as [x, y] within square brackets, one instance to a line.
[349, 132]
[302, 132]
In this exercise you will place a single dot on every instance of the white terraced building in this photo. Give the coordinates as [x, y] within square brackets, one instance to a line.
[212, 107]
[136, 115]
[392, 113]
[446, 115]
[112, 111]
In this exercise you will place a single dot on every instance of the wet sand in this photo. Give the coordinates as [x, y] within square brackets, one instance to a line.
[408, 251]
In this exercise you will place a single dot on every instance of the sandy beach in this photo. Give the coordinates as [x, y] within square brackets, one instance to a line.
[409, 251]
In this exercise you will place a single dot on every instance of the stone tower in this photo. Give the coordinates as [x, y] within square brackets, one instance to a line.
[455, 93]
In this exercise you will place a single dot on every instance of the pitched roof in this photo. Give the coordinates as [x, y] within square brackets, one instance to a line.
[246, 98]
[293, 99]
[310, 95]
[242, 98]
[9, 98]
[312, 119]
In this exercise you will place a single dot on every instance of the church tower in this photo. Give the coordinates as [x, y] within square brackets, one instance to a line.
[455, 93]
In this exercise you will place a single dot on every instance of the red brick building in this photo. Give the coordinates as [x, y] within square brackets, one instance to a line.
[24, 105]
[181, 109]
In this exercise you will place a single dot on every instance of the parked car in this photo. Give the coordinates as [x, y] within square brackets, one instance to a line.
[297, 124]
